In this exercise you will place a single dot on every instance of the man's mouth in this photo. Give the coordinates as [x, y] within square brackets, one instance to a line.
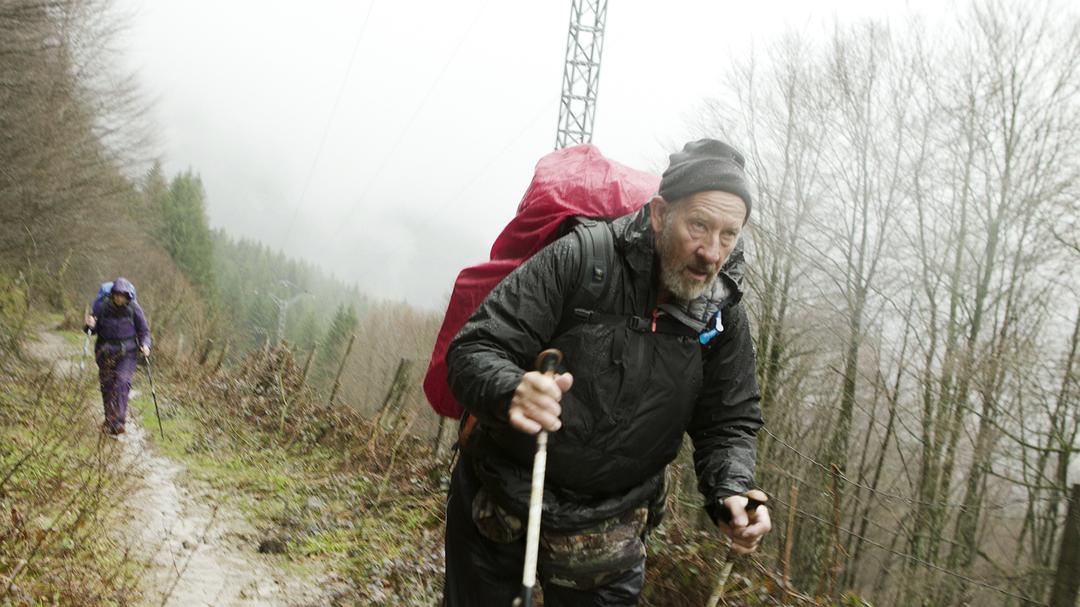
[698, 274]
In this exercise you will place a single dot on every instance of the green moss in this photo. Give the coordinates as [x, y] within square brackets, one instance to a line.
[77, 339]
[337, 541]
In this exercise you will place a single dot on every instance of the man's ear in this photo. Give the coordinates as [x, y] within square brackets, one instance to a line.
[657, 208]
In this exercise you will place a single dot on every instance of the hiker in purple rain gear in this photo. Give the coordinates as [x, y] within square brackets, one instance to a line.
[122, 332]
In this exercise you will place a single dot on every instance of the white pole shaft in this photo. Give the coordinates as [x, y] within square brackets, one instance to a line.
[536, 502]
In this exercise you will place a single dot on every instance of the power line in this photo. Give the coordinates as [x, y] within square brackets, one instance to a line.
[416, 112]
[326, 129]
[540, 112]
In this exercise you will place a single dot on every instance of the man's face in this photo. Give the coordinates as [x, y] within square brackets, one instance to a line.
[694, 236]
[120, 299]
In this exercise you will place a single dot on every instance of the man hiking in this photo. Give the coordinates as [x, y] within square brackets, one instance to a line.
[655, 344]
[122, 332]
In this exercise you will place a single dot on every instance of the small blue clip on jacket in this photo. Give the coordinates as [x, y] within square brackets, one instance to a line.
[706, 336]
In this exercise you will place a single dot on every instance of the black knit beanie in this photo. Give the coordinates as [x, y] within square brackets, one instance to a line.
[705, 164]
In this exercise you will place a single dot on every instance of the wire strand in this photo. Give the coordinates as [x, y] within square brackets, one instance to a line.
[408, 124]
[872, 490]
[912, 557]
[326, 129]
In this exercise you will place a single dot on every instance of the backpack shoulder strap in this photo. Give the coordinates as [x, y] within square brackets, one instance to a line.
[592, 296]
[597, 261]
[127, 312]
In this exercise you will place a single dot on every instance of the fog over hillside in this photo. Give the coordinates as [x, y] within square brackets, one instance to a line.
[389, 142]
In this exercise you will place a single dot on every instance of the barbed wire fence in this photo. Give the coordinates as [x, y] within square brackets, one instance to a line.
[867, 498]
[1006, 584]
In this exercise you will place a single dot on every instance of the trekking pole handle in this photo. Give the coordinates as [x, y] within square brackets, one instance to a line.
[548, 360]
[754, 497]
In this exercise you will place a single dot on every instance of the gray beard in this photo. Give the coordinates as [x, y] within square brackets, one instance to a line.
[682, 287]
[672, 277]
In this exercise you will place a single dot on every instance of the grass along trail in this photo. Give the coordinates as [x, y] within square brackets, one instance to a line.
[198, 550]
[354, 509]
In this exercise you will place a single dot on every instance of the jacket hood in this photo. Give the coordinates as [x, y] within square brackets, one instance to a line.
[122, 285]
[635, 236]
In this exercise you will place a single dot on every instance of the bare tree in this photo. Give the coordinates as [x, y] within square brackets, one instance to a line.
[910, 257]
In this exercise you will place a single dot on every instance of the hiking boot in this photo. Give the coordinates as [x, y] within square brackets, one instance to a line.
[119, 429]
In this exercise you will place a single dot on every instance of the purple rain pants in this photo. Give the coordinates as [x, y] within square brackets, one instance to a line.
[116, 366]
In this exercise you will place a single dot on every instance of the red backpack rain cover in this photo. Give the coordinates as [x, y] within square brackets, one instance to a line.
[574, 181]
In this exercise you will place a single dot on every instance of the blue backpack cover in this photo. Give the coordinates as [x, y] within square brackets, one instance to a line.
[106, 288]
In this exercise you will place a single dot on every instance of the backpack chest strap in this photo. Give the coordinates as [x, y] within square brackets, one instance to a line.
[663, 324]
[634, 323]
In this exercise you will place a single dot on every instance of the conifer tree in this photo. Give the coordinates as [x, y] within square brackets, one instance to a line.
[187, 230]
[148, 208]
[305, 331]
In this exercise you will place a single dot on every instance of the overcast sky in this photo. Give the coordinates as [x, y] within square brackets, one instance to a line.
[434, 112]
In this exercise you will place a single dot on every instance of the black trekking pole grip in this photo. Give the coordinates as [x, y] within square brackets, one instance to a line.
[754, 498]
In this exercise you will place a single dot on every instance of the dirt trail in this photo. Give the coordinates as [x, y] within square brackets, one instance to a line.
[199, 553]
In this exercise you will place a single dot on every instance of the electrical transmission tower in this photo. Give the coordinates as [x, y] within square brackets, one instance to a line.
[581, 73]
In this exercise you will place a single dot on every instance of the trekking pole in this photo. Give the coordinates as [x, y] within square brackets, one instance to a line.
[85, 350]
[756, 498]
[153, 393]
[85, 345]
[546, 362]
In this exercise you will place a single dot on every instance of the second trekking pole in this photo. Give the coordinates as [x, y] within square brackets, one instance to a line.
[85, 351]
[546, 362]
[85, 346]
[153, 393]
[755, 498]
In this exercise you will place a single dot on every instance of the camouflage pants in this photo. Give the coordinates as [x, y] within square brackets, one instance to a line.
[485, 549]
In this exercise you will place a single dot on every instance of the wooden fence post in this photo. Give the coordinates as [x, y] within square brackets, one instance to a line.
[440, 437]
[307, 365]
[284, 404]
[394, 395]
[827, 581]
[393, 399]
[1067, 578]
[341, 367]
[221, 357]
[789, 541]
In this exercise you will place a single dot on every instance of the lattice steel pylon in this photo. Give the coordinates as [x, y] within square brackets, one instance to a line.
[581, 73]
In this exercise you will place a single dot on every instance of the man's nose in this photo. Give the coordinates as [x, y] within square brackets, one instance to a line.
[711, 250]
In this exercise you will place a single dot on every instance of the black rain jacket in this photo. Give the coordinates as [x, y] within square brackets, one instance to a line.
[635, 391]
